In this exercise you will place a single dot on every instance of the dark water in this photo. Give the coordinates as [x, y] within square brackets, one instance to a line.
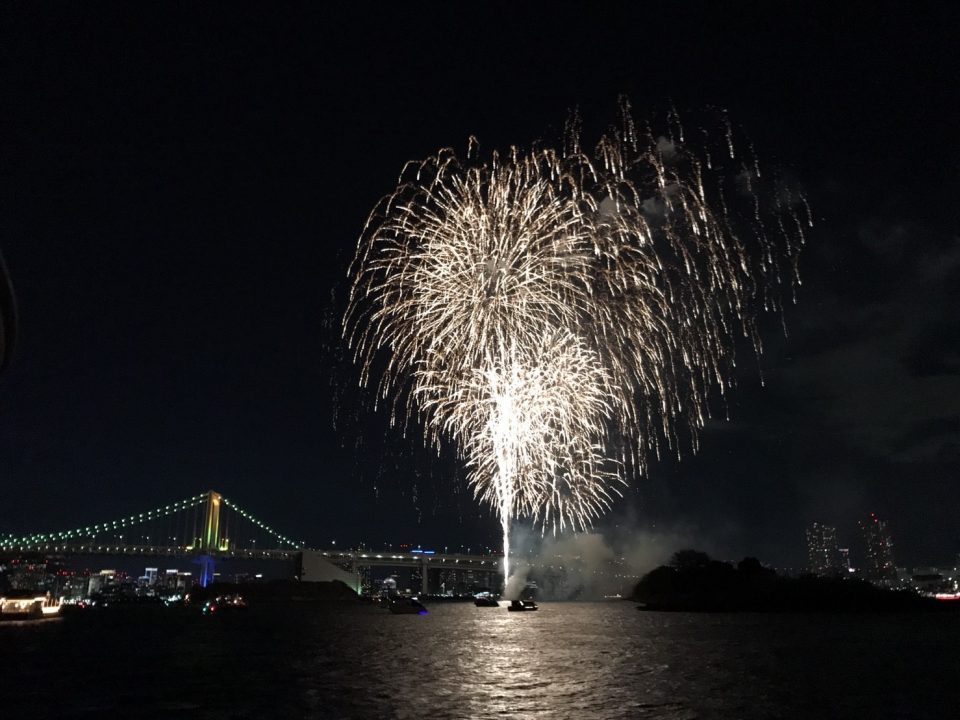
[573, 660]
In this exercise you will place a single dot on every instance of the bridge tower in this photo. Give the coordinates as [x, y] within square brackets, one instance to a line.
[211, 536]
[210, 542]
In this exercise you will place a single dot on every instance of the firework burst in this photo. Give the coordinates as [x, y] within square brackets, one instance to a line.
[560, 315]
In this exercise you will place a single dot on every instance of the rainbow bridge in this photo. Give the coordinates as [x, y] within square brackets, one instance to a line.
[210, 527]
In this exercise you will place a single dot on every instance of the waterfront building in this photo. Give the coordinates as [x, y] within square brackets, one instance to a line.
[845, 565]
[94, 584]
[823, 553]
[75, 586]
[366, 580]
[931, 580]
[879, 550]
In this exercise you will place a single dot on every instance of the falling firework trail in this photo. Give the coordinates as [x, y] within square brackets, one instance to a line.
[562, 315]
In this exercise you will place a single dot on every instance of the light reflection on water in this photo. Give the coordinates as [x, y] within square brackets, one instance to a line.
[568, 660]
[607, 660]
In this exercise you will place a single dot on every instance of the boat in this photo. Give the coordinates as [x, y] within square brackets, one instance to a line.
[406, 606]
[224, 603]
[522, 606]
[485, 600]
[31, 607]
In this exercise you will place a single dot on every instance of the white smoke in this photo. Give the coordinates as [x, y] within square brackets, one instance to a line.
[517, 581]
[590, 566]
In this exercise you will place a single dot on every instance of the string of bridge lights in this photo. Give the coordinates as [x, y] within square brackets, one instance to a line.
[261, 525]
[91, 530]
[35, 539]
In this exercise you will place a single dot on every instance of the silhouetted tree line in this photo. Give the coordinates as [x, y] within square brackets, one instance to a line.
[695, 581]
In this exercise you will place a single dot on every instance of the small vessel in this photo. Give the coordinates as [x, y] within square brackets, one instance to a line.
[522, 606]
[485, 600]
[406, 606]
[224, 603]
[30, 607]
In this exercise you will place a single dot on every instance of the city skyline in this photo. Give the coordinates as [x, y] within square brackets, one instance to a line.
[880, 566]
[823, 551]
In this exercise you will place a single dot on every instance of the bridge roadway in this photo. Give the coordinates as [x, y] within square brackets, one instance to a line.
[424, 561]
[339, 557]
[155, 550]
[433, 560]
[612, 567]
[354, 557]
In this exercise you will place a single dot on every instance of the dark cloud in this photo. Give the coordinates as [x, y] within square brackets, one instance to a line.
[887, 372]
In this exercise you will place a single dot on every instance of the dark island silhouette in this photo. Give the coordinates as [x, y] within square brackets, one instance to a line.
[693, 581]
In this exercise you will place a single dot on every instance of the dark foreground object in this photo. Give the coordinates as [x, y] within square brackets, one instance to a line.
[8, 316]
[695, 582]
[406, 606]
[522, 606]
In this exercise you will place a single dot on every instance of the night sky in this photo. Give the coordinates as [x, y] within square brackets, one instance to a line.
[183, 189]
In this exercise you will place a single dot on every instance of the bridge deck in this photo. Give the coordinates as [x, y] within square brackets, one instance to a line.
[354, 557]
[373, 558]
[155, 550]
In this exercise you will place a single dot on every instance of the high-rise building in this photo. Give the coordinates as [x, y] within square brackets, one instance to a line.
[879, 547]
[416, 579]
[845, 565]
[823, 553]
